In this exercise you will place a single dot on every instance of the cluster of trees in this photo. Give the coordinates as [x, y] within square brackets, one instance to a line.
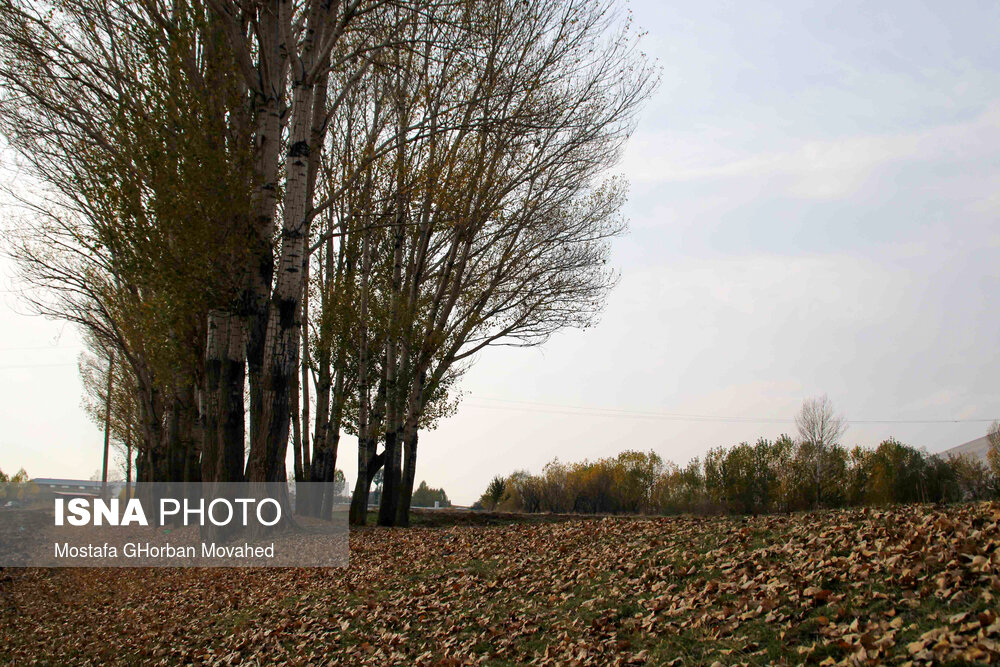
[19, 477]
[781, 475]
[425, 496]
[278, 222]
[768, 476]
[15, 487]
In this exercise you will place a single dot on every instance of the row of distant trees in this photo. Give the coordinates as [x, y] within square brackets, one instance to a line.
[768, 476]
[778, 475]
[427, 496]
[19, 477]
[423, 495]
[14, 487]
[280, 222]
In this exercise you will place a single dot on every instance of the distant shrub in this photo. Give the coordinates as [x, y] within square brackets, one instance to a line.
[494, 494]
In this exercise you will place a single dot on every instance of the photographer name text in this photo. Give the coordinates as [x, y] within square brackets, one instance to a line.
[147, 550]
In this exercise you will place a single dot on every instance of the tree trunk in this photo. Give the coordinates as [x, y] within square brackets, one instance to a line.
[329, 472]
[359, 500]
[156, 469]
[369, 462]
[316, 137]
[232, 420]
[211, 396]
[293, 409]
[303, 447]
[223, 421]
[173, 454]
[190, 435]
[329, 418]
[389, 504]
[328, 439]
[260, 274]
[107, 424]
[320, 458]
[409, 473]
[128, 467]
[281, 345]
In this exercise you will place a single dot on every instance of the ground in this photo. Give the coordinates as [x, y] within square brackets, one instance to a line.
[916, 583]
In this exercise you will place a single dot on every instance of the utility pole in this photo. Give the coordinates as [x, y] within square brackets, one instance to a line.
[107, 424]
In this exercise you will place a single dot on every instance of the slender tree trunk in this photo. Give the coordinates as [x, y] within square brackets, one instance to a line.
[304, 442]
[107, 424]
[320, 459]
[158, 469]
[389, 504]
[325, 461]
[190, 434]
[232, 424]
[128, 467]
[369, 445]
[173, 453]
[211, 396]
[316, 138]
[328, 439]
[409, 473]
[415, 404]
[359, 501]
[329, 418]
[330, 470]
[180, 450]
[293, 408]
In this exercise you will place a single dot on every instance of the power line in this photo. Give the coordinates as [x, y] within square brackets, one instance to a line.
[552, 408]
[582, 410]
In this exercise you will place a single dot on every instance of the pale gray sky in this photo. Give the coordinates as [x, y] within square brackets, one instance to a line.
[815, 199]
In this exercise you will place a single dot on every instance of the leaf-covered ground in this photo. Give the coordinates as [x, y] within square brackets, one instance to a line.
[912, 584]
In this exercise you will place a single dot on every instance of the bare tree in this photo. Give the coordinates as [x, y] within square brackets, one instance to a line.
[480, 215]
[819, 423]
[820, 429]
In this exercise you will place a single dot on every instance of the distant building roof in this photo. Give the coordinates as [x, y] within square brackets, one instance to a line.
[976, 448]
[87, 483]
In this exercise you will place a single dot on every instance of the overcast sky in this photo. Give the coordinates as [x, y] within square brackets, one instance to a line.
[814, 208]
